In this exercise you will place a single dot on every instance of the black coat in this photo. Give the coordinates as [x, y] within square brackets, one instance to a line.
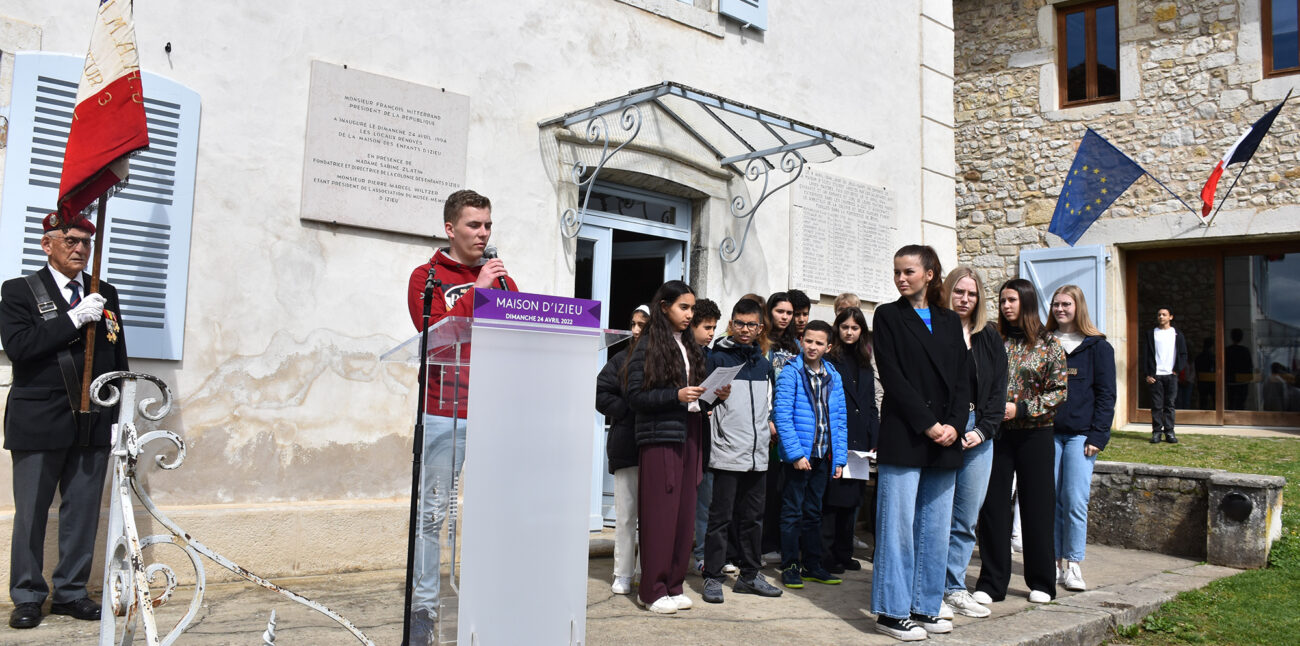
[926, 380]
[38, 415]
[620, 445]
[660, 417]
[864, 426]
[990, 366]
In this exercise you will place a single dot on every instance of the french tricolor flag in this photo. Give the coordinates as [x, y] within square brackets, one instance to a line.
[1240, 152]
[108, 123]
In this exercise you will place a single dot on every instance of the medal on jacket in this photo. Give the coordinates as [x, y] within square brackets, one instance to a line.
[110, 321]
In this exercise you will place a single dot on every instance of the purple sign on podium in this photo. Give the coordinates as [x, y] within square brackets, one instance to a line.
[519, 307]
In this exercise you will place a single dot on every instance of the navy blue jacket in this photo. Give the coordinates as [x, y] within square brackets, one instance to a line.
[1089, 408]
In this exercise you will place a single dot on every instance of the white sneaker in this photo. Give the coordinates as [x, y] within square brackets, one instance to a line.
[962, 602]
[1072, 578]
[982, 597]
[664, 606]
[772, 558]
[858, 544]
[622, 585]
[945, 611]
[730, 568]
[699, 567]
[1038, 596]
[1016, 544]
[683, 602]
[1060, 575]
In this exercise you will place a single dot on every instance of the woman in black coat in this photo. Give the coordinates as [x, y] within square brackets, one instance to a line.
[921, 354]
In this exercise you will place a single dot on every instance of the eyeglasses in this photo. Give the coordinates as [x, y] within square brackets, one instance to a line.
[745, 325]
[72, 242]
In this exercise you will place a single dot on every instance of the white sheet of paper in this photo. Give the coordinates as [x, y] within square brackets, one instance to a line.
[718, 378]
[858, 466]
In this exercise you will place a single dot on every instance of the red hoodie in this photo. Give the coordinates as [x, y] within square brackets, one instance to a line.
[453, 298]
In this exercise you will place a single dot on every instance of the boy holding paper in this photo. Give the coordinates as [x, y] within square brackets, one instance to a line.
[738, 460]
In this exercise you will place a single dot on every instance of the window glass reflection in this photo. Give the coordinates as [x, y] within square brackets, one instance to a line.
[1262, 319]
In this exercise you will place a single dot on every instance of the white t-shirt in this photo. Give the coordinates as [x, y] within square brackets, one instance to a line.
[1165, 340]
[1069, 340]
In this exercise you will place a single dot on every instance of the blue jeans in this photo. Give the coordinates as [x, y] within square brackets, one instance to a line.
[968, 497]
[913, 516]
[801, 514]
[439, 483]
[703, 498]
[1073, 490]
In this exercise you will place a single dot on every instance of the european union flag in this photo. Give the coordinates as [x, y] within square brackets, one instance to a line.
[1099, 175]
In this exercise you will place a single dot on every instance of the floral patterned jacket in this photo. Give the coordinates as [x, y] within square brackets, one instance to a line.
[1037, 380]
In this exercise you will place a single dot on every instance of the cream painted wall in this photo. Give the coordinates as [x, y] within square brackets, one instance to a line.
[281, 398]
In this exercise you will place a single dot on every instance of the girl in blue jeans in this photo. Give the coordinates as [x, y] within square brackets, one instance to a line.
[1082, 426]
[963, 291]
[924, 371]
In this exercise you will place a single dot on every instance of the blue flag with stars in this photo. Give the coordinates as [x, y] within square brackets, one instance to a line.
[1099, 175]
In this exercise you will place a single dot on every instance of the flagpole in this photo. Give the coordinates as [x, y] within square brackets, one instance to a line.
[1228, 192]
[89, 372]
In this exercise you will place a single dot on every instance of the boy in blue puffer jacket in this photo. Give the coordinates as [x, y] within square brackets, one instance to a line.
[812, 434]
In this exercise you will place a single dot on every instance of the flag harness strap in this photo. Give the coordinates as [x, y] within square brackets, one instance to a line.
[45, 305]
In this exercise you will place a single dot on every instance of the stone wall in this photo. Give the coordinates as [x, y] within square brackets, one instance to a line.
[1191, 83]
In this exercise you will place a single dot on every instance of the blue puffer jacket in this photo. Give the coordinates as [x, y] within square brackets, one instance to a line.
[1089, 408]
[795, 420]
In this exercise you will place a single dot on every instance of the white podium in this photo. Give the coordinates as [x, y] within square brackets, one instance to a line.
[518, 508]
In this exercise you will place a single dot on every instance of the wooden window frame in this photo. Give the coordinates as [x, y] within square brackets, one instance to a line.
[1266, 38]
[1089, 10]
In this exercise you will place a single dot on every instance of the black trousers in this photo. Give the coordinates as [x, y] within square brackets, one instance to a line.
[1029, 455]
[1163, 394]
[78, 475]
[772, 504]
[736, 514]
[839, 516]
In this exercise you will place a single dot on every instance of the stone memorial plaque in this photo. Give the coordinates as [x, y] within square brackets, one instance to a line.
[381, 153]
[842, 237]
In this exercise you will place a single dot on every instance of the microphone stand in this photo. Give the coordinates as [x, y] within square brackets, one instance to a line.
[417, 457]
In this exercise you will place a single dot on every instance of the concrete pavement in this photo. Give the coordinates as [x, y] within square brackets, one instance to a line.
[1125, 586]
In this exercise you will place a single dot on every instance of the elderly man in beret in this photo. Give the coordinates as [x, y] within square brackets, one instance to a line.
[44, 318]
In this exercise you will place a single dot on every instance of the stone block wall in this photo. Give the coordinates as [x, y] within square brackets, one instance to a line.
[1150, 507]
[1191, 82]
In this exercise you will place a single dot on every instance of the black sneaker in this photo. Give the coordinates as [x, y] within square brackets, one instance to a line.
[712, 590]
[835, 568]
[901, 629]
[1170, 438]
[932, 624]
[820, 575]
[790, 577]
[852, 565]
[757, 585]
[1155, 437]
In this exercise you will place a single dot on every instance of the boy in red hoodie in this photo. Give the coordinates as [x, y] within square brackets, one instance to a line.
[458, 270]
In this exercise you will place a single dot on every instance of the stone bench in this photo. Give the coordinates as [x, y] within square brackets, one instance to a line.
[1228, 519]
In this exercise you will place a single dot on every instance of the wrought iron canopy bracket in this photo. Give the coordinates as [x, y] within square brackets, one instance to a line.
[734, 133]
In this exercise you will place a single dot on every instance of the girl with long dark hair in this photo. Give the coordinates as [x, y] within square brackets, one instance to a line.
[662, 386]
[921, 354]
[1036, 386]
[851, 356]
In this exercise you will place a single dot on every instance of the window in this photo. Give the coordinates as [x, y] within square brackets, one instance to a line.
[147, 230]
[1278, 19]
[1087, 40]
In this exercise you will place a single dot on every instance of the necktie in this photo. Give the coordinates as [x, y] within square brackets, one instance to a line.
[76, 293]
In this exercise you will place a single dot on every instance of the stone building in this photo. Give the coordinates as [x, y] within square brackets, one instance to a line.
[1173, 85]
[274, 317]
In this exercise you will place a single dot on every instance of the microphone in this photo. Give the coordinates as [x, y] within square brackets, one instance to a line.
[489, 253]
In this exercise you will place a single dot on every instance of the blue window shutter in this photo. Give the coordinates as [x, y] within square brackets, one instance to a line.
[147, 236]
[750, 12]
[1049, 269]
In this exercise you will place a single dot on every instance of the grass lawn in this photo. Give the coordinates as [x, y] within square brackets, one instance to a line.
[1254, 607]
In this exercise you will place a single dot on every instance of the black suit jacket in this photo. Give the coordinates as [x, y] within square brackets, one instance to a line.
[38, 415]
[926, 378]
[1149, 352]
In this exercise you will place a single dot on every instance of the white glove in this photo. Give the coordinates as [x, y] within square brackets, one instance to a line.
[89, 310]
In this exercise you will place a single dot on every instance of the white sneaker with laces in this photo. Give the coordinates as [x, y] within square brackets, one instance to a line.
[964, 603]
[1072, 578]
[945, 611]
[772, 558]
[698, 568]
[730, 568]
[981, 597]
[664, 606]
[937, 627]
[683, 602]
[1060, 575]
[1038, 596]
[622, 585]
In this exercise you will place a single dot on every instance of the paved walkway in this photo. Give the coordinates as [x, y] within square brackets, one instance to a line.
[1126, 585]
[1237, 431]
